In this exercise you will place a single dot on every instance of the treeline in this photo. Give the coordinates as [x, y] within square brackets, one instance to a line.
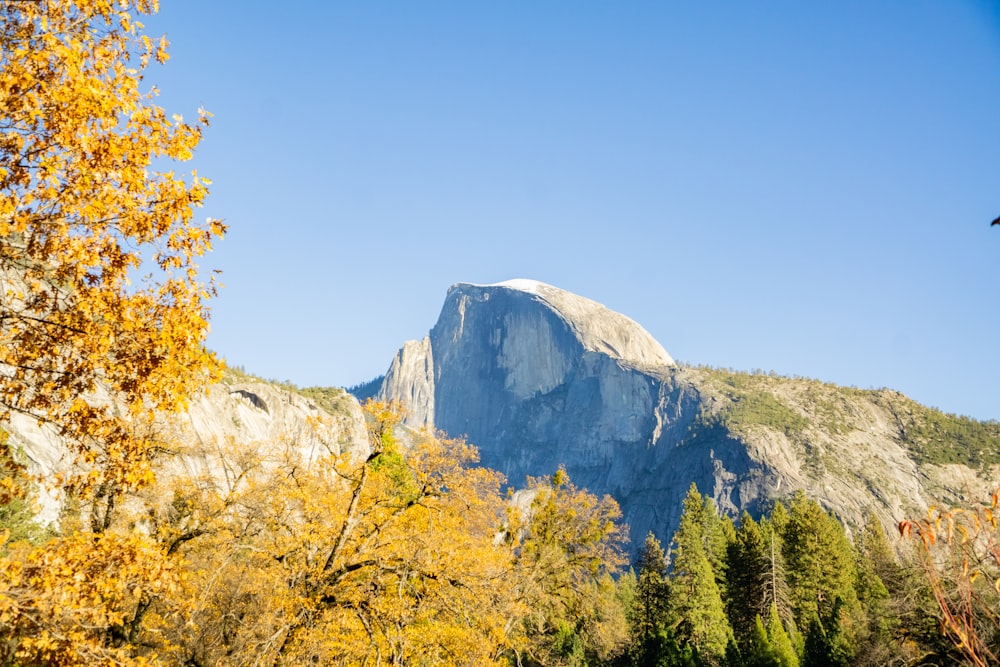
[790, 589]
[932, 436]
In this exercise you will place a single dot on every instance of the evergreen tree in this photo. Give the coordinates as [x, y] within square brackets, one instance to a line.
[817, 649]
[819, 560]
[759, 651]
[903, 622]
[881, 623]
[696, 608]
[827, 644]
[778, 518]
[781, 643]
[17, 493]
[748, 574]
[776, 581]
[718, 533]
[649, 603]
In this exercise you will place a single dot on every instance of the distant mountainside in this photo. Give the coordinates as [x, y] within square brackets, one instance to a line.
[241, 410]
[539, 378]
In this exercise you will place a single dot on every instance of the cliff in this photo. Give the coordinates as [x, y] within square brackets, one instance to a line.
[539, 378]
[241, 411]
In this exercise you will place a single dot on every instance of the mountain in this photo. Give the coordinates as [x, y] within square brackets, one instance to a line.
[537, 378]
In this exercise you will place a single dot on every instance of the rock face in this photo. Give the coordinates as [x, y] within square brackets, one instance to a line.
[537, 377]
[246, 412]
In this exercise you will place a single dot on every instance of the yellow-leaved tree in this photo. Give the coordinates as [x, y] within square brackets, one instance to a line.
[88, 203]
[88, 346]
[296, 557]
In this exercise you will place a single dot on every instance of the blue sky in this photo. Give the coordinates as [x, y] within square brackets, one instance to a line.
[798, 187]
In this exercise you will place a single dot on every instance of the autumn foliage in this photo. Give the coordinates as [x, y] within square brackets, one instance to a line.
[102, 308]
[960, 553]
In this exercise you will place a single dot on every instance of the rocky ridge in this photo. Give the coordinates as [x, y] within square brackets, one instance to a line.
[241, 411]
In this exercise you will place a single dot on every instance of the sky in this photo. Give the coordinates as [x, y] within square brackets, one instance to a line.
[798, 187]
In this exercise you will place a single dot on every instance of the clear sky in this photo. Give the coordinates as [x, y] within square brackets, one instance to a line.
[802, 187]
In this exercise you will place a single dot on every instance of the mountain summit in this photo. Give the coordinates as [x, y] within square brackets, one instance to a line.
[537, 378]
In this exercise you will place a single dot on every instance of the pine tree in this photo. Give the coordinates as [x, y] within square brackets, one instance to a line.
[760, 652]
[819, 560]
[649, 607]
[748, 574]
[781, 643]
[871, 555]
[817, 649]
[696, 608]
[17, 493]
[718, 533]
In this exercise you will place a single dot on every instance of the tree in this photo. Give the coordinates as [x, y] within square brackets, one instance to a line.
[87, 203]
[567, 544]
[79, 600]
[781, 643]
[88, 346]
[874, 558]
[336, 560]
[17, 496]
[651, 589]
[819, 561]
[696, 608]
[759, 651]
[749, 575]
[959, 552]
[650, 603]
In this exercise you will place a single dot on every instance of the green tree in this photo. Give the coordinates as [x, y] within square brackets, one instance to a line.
[17, 495]
[882, 624]
[781, 642]
[649, 607]
[819, 561]
[770, 645]
[697, 612]
[651, 592]
[718, 533]
[758, 649]
[826, 644]
[748, 575]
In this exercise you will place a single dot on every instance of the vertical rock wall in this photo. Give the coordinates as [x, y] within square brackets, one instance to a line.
[539, 378]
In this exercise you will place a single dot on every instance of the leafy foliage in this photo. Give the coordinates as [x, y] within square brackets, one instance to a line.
[697, 610]
[567, 545]
[273, 555]
[960, 555]
[85, 204]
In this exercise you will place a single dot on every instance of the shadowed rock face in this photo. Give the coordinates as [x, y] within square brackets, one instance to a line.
[537, 377]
